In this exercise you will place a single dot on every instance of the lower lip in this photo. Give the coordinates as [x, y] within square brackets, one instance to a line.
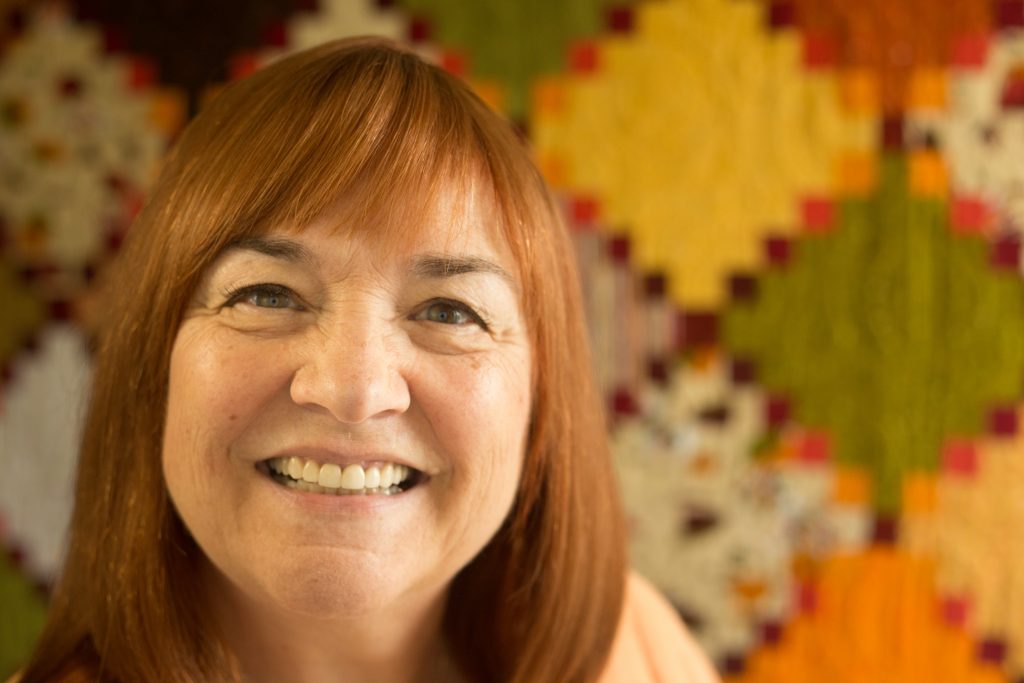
[352, 504]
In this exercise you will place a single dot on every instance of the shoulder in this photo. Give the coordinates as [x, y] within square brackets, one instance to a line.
[651, 644]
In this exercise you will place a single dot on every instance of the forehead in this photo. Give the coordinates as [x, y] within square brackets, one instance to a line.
[455, 221]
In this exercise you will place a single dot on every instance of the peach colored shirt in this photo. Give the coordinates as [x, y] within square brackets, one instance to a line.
[652, 645]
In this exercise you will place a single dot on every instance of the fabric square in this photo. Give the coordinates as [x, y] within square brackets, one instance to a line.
[859, 88]
[960, 458]
[851, 486]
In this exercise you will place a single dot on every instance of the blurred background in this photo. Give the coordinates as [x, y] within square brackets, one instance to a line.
[798, 223]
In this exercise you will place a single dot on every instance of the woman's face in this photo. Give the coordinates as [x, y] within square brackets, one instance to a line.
[318, 357]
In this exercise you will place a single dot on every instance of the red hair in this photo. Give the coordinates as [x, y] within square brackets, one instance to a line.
[365, 120]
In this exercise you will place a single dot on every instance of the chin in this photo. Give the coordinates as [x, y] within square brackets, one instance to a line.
[329, 589]
[321, 597]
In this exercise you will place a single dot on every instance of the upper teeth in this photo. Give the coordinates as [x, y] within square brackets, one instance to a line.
[332, 476]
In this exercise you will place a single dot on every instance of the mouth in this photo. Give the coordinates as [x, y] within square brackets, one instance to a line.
[357, 479]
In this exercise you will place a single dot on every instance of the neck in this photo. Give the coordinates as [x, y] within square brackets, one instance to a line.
[404, 644]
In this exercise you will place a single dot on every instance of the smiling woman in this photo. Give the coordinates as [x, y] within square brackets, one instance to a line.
[341, 426]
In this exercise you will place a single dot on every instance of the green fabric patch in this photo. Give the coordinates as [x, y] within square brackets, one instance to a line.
[512, 42]
[20, 314]
[21, 618]
[889, 331]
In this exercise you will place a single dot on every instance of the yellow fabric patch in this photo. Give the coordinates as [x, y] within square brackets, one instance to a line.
[671, 133]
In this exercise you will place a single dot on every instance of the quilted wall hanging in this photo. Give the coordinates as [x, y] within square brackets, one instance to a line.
[822, 200]
[798, 223]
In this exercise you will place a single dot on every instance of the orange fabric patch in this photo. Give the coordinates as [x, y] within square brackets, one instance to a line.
[852, 486]
[927, 174]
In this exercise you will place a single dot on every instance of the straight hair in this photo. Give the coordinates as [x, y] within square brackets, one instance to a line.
[366, 121]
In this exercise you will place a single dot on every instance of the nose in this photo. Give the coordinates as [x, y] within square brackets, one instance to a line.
[354, 373]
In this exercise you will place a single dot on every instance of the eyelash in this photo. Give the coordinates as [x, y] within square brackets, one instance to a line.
[239, 295]
[458, 306]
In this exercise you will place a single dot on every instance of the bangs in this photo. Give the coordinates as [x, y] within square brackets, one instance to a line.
[369, 136]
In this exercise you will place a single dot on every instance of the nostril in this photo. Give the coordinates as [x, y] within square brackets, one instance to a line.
[351, 391]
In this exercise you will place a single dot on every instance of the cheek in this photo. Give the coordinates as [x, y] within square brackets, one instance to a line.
[214, 391]
[217, 383]
[479, 408]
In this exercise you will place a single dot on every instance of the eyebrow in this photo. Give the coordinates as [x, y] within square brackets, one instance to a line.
[432, 266]
[276, 247]
[442, 266]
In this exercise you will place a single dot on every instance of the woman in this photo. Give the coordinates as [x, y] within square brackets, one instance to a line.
[342, 427]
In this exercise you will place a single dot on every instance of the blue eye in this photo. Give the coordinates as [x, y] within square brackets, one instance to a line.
[263, 295]
[450, 313]
[444, 313]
